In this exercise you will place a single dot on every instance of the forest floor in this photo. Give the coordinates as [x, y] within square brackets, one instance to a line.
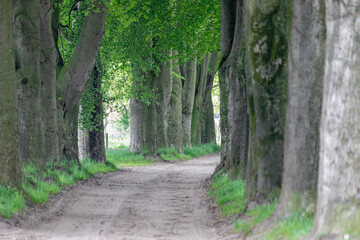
[167, 200]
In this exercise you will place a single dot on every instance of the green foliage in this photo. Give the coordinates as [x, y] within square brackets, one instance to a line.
[254, 216]
[228, 194]
[11, 201]
[292, 228]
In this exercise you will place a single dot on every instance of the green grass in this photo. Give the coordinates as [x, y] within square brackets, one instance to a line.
[189, 152]
[125, 158]
[229, 195]
[254, 216]
[292, 228]
[11, 201]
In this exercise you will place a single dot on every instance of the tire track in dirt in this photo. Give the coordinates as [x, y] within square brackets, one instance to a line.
[162, 201]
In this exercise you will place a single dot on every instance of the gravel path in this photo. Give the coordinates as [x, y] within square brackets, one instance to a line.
[162, 201]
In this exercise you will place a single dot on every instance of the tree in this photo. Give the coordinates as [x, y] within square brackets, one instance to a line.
[301, 146]
[338, 211]
[73, 77]
[10, 168]
[267, 28]
[233, 91]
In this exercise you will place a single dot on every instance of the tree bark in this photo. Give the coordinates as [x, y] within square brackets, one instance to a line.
[301, 147]
[10, 167]
[208, 134]
[188, 95]
[338, 208]
[233, 110]
[83, 140]
[267, 54]
[96, 135]
[174, 112]
[27, 64]
[74, 76]
[199, 97]
[164, 86]
[143, 119]
[48, 63]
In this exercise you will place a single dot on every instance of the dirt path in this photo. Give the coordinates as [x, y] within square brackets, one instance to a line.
[163, 201]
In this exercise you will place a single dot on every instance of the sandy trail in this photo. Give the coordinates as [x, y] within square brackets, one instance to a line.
[163, 201]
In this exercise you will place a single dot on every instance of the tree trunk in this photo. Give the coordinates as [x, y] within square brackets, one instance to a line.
[48, 63]
[74, 76]
[164, 86]
[208, 134]
[188, 100]
[96, 135]
[143, 119]
[200, 87]
[10, 167]
[233, 113]
[83, 140]
[301, 147]
[174, 110]
[27, 64]
[267, 54]
[338, 208]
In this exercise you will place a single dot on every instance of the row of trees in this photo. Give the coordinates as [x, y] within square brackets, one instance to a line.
[40, 94]
[289, 115]
[57, 53]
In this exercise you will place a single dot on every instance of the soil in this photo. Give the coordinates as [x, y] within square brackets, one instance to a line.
[163, 201]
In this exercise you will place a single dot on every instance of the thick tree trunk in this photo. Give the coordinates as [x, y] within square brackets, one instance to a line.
[164, 86]
[200, 87]
[301, 147]
[27, 63]
[188, 95]
[48, 63]
[338, 209]
[267, 54]
[10, 167]
[233, 113]
[96, 135]
[143, 119]
[174, 111]
[74, 77]
[208, 134]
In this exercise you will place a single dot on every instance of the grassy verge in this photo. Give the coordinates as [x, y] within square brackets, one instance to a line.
[193, 152]
[292, 228]
[229, 196]
[39, 183]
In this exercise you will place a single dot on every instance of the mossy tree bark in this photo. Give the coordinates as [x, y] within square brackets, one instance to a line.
[301, 147]
[188, 95]
[174, 110]
[74, 76]
[267, 39]
[200, 87]
[233, 102]
[27, 62]
[208, 134]
[10, 166]
[338, 204]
